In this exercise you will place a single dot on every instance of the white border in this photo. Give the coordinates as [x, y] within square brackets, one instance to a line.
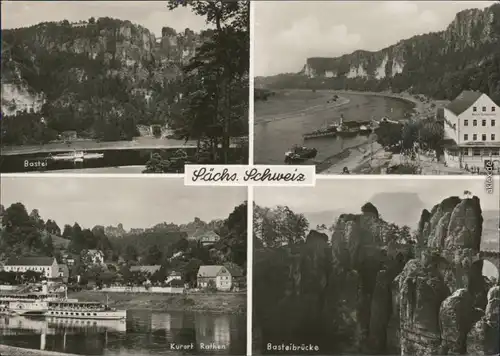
[91, 175]
[397, 177]
[251, 87]
[250, 190]
[249, 270]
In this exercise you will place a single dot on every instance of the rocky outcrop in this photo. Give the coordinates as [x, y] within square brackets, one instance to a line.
[441, 291]
[368, 294]
[110, 47]
[471, 29]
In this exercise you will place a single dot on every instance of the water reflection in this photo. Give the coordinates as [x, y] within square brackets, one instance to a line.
[275, 136]
[143, 333]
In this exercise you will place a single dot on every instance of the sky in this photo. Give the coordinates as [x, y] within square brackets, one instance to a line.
[350, 195]
[152, 15]
[288, 32]
[134, 202]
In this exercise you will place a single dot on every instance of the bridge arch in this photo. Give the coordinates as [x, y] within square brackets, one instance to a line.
[491, 263]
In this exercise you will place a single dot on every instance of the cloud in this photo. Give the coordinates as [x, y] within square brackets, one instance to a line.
[400, 7]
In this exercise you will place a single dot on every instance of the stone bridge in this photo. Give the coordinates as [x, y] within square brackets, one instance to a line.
[492, 256]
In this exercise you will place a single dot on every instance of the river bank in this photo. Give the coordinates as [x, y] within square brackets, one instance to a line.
[370, 157]
[235, 303]
[6, 350]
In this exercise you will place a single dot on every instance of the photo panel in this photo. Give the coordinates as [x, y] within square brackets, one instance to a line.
[377, 267]
[384, 87]
[135, 87]
[120, 265]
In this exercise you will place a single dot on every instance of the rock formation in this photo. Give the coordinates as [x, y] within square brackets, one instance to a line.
[368, 294]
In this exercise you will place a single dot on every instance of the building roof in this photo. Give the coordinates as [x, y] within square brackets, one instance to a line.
[175, 273]
[235, 270]
[145, 269]
[209, 271]
[213, 271]
[30, 261]
[200, 233]
[463, 101]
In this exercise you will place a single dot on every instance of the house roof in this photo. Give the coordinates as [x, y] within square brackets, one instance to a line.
[213, 271]
[175, 273]
[145, 269]
[30, 261]
[209, 271]
[235, 270]
[200, 233]
[463, 101]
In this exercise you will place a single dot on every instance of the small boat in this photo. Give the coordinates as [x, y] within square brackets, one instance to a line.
[300, 153]
[365, 130]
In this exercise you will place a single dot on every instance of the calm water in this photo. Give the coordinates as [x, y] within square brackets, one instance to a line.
[143, 333]
[111, 158]
[274, 137]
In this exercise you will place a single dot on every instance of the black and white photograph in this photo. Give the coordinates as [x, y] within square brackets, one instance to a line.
[121, 266]
[378, 87]
[123, 87]
[377, 267]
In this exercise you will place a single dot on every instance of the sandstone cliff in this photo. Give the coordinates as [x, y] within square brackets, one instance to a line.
[41, 62]
[368, 293]
[439, 65]
[472, 29]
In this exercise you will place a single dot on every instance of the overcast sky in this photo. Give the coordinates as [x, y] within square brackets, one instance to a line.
[150, 14]
[134, 202]
[288, 32]
[350, 195]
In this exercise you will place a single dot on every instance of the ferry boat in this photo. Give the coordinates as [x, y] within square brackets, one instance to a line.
[27, 308]
[328, 131]
[84, 310]
[300, 153]
[76, 156]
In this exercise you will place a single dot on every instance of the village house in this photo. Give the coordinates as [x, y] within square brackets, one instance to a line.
[64, 273]
[223, 278]
[206, 238]
[472, 131]
[46, 265]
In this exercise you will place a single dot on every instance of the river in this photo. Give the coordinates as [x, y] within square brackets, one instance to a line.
[281, 121]
[144, 333]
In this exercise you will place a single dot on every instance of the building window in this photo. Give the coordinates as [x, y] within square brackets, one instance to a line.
[484, 108]
[466, 137]
[466, 122]
[492, 122]
[474, 137]
[476, 151]
[493, 109]
[474, 122]
[484, 122]
[483, 137]
[492, 137]
[474, 109]
[495, 151]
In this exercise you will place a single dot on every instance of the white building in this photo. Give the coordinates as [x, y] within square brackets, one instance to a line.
[472, 130]
[46, 265]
